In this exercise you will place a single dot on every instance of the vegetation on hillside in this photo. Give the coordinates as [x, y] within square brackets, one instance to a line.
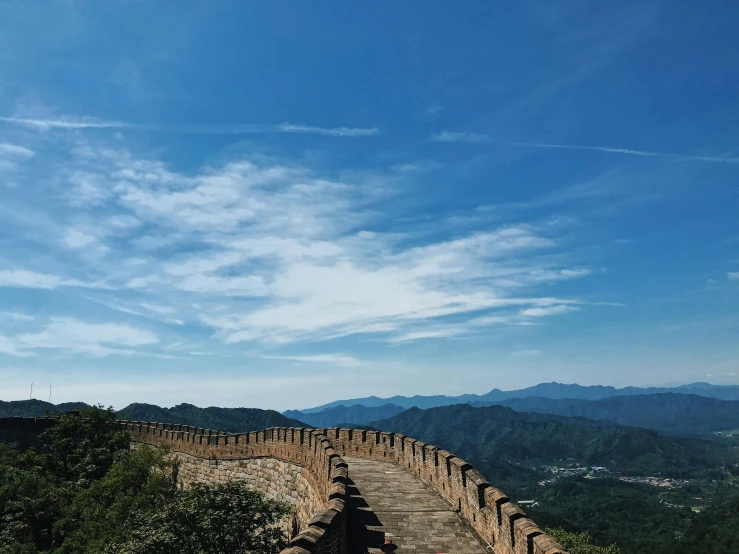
[233, 420]
[515, 451]
[499, 433]
[343, 415]
[82, 490]
[670, 413]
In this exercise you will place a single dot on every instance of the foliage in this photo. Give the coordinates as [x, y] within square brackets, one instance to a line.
[580, 543]
[80, 489]
[670, 413]
[499, 433]
[225, 518]
[233, 420]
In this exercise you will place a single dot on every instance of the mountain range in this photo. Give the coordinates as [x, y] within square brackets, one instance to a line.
[356, 414]
[546, 390]
[671, 413]
[233, 420]
[501, 434]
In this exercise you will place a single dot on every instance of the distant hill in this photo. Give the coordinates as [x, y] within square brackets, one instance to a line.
[339, 415]
[36, 408]
[233, 420]
[545, 390]
[498, 433]
[677, 414]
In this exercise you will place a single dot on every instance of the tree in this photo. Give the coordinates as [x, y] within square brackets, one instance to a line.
[580, 543]
[221, 519]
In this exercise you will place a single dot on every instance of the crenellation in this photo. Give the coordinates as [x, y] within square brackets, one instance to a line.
[304, 468]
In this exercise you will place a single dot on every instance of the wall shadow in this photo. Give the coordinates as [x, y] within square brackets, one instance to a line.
[360, 518]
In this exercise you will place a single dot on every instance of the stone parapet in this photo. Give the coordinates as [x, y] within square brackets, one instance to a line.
[496, 520]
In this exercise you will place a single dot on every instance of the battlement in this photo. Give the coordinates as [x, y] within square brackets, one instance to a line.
[488, 511]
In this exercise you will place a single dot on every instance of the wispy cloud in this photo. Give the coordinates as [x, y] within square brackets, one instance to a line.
[16, 150]
[275, 252]
[340, 360]
[22, 278]
[733, 275]
[72, 122]
[548, 311]
[630, 152]
[72, 335]
[334, 132]
[167, 310]
[66, 123]
[451, 136]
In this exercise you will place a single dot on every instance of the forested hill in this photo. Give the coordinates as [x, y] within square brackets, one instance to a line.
[233, 420]
[500, 433]
[36, 408]
[677, 414]
[352, 415]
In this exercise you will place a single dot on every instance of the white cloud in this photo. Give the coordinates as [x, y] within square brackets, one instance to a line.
[526, 352]
[15, 150]
[7, 346]
[29, 279]
[335, 132]
[86, 122]
[420, 335]
[232, 286]
[73, 335]
[451, 136]
[277, 253]
[75, 238]
[547, 311]
[65, 123]
[144, 282]
[23, 278]
[15, 316]
[630, 152]
[734, 276]
[336, 359]
[159, 309]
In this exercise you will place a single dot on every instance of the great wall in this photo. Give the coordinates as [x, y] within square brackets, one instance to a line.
[350, 489]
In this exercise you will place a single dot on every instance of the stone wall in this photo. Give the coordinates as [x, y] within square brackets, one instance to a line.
[298, 466]
[304, 467]
[487, 510]
[277, 480]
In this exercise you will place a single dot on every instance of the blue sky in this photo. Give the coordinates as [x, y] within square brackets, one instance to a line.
[278, 204]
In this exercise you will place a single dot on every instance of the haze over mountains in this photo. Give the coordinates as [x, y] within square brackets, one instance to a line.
[545, 390]
[356, 414]
[683, 413]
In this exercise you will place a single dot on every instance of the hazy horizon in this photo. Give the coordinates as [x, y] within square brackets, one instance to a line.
[239, 204]
[37, 395]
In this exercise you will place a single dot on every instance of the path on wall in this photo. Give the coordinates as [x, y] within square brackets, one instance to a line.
[388, 500]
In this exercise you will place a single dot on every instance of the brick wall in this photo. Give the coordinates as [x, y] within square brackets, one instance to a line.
[497, 521]
[295, 465]
[313, 457]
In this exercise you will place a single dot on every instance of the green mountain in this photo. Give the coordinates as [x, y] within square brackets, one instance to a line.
[343, 415]
[500, 434]
[233, 420]
[677, 414]
[36, 408]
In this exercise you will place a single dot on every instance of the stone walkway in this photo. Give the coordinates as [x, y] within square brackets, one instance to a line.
[386, 500]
